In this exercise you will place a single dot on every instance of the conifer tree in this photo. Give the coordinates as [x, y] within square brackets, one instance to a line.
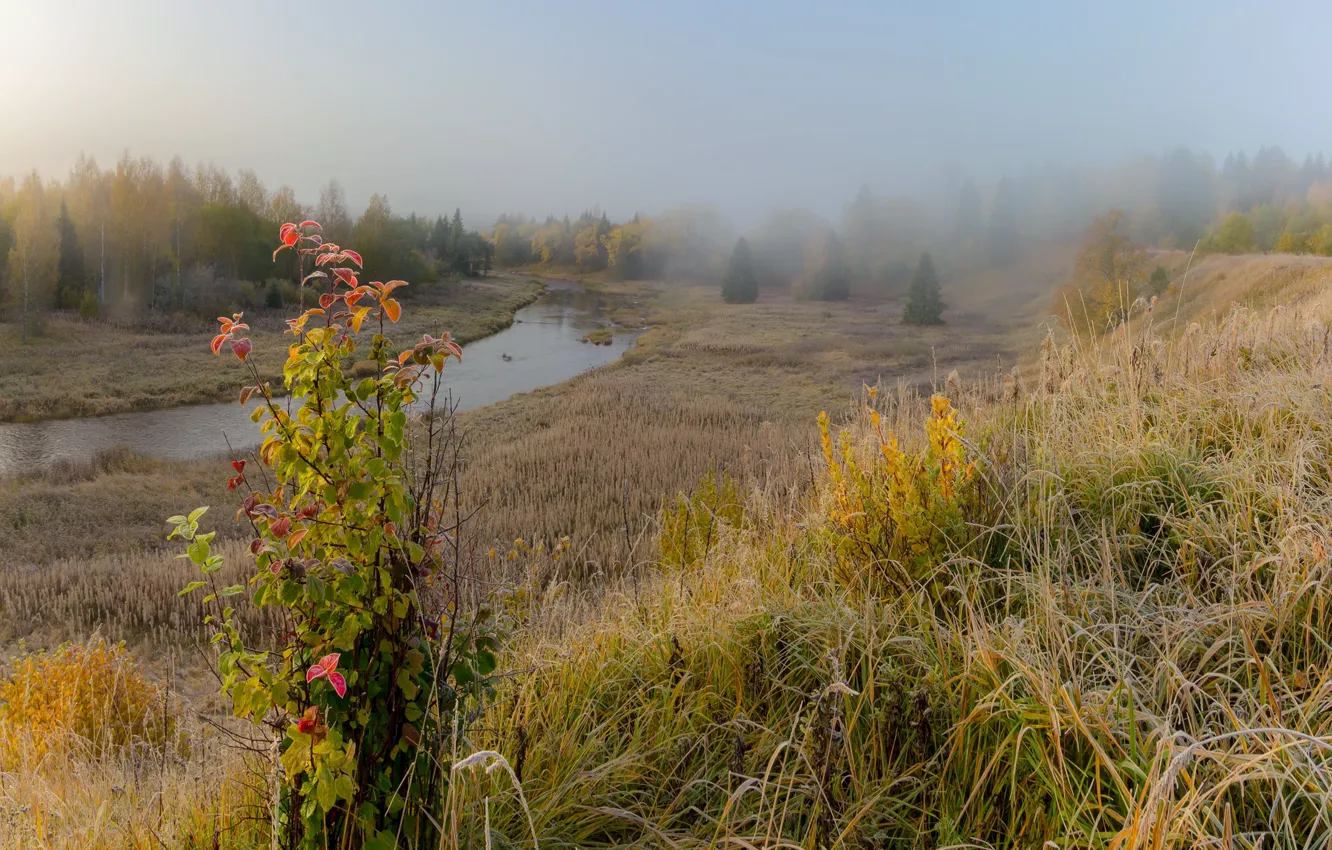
[740, 286]
[834, 283]
[924, 305]
[70, 277]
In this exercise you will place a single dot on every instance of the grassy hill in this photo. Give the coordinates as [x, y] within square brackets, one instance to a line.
[1087, 607]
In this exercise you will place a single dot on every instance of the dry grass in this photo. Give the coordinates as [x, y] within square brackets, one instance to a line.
[1134, 655]
[195, 797]
[710, 386]
[129, 596]
[1126, 648]
[111, 506]
[78, 368]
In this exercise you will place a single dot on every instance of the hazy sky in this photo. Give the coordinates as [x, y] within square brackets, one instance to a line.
[538, 106]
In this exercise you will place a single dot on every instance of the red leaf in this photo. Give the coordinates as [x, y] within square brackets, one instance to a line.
[217, 342]
[284, 230]
[309, 721]
[346, 276]
[308, 223]
[312, 275]
[280, 249]
[297, 537]
[354, 257]
[256, 545]
[280, 527]
[326, 300]
[339, 684]
[392, 309]
[290, 238]
[241, 348]
[313, 673]
[238, 465]
[245, 394]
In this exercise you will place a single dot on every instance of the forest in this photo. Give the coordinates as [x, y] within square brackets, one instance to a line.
[143, 238]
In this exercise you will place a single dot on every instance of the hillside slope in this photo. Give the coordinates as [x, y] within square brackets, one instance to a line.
[1215, 282]
[1097, 615]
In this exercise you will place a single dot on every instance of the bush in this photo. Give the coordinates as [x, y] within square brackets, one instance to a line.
[273, 295]
[369, 684]
[89, 698]
[1158, 282]
[895, 514]
[88, 306]
[690, 527]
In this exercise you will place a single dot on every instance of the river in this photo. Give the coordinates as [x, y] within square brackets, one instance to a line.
[543, 345]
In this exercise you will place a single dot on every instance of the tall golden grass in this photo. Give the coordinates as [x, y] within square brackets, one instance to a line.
[1123, 644]
[1134, 654]
[95, 754]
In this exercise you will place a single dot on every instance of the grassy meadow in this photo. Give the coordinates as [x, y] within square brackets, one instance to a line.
[714, 386]
[1084, 605]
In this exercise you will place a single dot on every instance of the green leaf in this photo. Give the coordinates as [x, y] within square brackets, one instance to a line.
[344, 787]
[191, 587]
[326, 789]
[359, 491]
[315, 589]
[176, 520]
[232, 590]
[197, 512]
[485, 662]
[407, 685]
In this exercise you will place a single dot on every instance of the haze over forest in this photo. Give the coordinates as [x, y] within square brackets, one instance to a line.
[550, 110]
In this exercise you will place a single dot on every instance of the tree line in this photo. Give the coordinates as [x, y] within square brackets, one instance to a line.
[141, 237]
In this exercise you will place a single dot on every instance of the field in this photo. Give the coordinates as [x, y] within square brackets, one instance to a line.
[713, 386]
[1101, 623]
[78, 368]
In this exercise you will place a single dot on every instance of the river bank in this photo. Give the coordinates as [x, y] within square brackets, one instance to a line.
[540, 346]
[77, 368]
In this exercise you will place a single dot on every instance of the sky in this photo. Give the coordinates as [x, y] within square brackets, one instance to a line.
[542, 107]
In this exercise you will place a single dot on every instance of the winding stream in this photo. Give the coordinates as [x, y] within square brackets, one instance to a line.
[543, 346]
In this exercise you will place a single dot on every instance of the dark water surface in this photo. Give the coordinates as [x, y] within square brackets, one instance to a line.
[543, 344]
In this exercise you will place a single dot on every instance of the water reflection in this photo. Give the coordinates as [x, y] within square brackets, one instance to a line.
[541, 348]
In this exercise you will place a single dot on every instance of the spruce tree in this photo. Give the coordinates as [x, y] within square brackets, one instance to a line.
[740, 286]
[71, 277]
[834, 283]
[924, 306]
